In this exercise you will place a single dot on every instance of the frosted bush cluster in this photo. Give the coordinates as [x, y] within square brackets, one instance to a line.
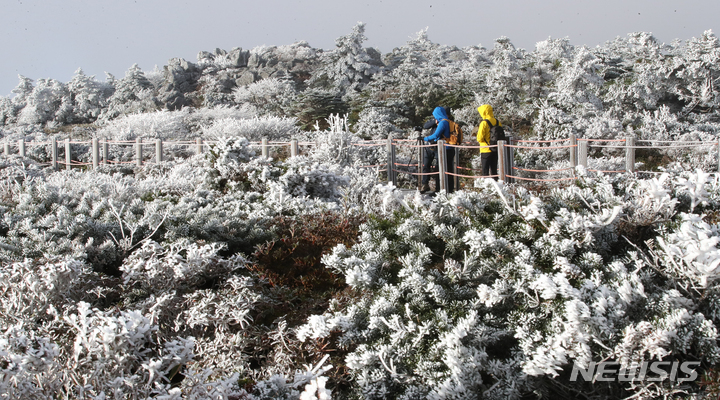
[485, 292]
[120, 286]
[272, 128]
[145, 285]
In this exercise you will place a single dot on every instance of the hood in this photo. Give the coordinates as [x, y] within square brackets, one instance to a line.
[440, 114]
[486, 112]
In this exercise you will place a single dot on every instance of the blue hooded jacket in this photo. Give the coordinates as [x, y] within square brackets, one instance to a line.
[443, 129]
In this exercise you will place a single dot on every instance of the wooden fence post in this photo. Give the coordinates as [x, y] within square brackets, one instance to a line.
[509, 161]
[138, 151]
[583, 153]
[7, 148]
[54, 153]
[573, 152]
[68, 156]
[95, 153]
[21, 146]
[199, 144]
[501, 159]
[105, 152]
[294, 148]
[630, 154]
[265, 150]
[456, 164]
[158, 151]
[421, 161]
[390, 161]
[718, 156]
[442, 166]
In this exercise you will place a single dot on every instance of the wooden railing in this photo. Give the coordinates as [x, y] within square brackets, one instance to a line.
[577, 150]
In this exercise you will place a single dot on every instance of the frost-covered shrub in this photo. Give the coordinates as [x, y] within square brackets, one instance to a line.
[481, 292]
[379, 123]
[167, 125]
[158, 268]
[304, 177]
[229, 153]
[28, 358]
[33, 290]
[272, 128]
[339, 146]
[269, 96]
[203, 117]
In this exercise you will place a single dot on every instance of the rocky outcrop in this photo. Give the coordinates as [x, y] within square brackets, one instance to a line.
[180, 78]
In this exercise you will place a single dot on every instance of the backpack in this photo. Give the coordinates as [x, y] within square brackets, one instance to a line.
[456, 135]
[497, 133]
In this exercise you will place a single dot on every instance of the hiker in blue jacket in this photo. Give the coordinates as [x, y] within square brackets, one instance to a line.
[442, 132]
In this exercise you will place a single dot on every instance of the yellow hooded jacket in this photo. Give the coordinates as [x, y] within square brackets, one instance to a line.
[483, 135]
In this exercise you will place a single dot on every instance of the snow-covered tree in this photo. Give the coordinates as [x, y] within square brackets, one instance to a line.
[134, 93]
[505, 86]
[697, 68]
[7, 111]
[635, 69]
[349, 66]
[88, 98]
[44, 102]
[22, 90]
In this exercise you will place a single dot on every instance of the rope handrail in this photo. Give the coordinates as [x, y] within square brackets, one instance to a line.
[673, 146]
[468, 169]
[472, 176]
[119, 162]
[541, 180]
[416, 146]
[471, 147]
[675, 141]
[608, 172]
[73, 162]
[602, 140]
[270, 144]
[542, 141]
[127, 144]
[369, 145]
[543, 170]
[541, 148]
[371, 166]
[615, 147]
[180, 143]
[655, 147]
[417, 173]
[78, 142]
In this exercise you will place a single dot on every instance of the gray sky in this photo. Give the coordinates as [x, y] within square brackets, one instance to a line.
[53, 38]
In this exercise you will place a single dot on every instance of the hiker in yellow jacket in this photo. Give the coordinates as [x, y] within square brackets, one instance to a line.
[488, 155]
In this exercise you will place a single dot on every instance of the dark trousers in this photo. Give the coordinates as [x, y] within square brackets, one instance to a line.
[430, 156]
[489, 163]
